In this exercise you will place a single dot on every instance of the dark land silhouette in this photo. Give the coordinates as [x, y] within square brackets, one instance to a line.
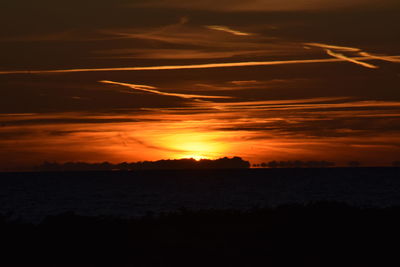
[188, 164]
[175, 164]
[296, 164]
[316, 234]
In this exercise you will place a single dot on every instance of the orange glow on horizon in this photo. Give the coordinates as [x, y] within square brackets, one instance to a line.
[195, 157]
[177, 136]
[196, 145]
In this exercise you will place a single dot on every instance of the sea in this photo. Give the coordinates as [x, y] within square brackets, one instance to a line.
[32, 196]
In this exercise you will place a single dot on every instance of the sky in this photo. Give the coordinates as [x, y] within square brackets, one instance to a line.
[134, 80]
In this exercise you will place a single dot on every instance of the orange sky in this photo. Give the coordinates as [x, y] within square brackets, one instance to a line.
[146, 80]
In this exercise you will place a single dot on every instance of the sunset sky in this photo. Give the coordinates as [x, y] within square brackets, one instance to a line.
[133, 80]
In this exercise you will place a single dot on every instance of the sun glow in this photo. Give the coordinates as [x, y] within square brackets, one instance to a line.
[195, 157]
[197, 149]
[196, 145]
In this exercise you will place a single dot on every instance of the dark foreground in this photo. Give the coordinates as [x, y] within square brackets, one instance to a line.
[340, 217]
[317, 234]
[34, 196]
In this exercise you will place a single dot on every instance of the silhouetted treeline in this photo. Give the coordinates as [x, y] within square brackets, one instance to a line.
[314, 235]
[296, 164]
[222, 163]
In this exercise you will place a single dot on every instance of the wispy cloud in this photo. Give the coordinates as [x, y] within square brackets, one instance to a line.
[336, 47]
[182, 34]
[353, 60]
[338, 58]
[151, 89]
[128, 140]
[192, 35]
[249, 82]
[328, 48]
[156, 53]
[272, 126]
[274, 103]
[199, 41]
[303, 105]
[384, 58]
[228, 30]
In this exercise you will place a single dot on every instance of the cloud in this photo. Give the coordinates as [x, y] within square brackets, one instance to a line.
[228, 30]
[193, 35]
[153, 90]
[249, 82]
[156, 53]
[328, 48]
[338, 58]
[308, 104]
[353, 60]
[271, 126]
[336, 47]
[384, 58]
[186, 41]
[251, 85]
[276, 103]
[129, 139]
[39, 121]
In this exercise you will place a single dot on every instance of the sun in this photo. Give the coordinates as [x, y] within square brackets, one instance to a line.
[197, 150]
[193, 144]
[195, 157]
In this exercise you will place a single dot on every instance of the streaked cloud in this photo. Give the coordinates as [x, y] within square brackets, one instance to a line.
[338, 58]
[151, 89]
[336, 47]
[250, 82]
[176, 53]
[228, 30]
[328, 48]
[252, 85]
[180, 34]
[353, 60]
[380, 57]
[301, 104]
[271, 126]
[201, 38]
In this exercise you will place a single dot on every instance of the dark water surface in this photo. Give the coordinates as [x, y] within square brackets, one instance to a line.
[32, 196]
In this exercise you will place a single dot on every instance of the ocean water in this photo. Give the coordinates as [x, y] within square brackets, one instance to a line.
[33, 196]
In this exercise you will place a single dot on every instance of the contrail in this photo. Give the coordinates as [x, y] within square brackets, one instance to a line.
[384, 58]
[196, 66]
[328, 48]
[341, 48]
[153, 90]
[228, 30]
[353, 60]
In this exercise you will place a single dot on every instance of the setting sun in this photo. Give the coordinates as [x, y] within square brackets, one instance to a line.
[194, 143]
[195, 157]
